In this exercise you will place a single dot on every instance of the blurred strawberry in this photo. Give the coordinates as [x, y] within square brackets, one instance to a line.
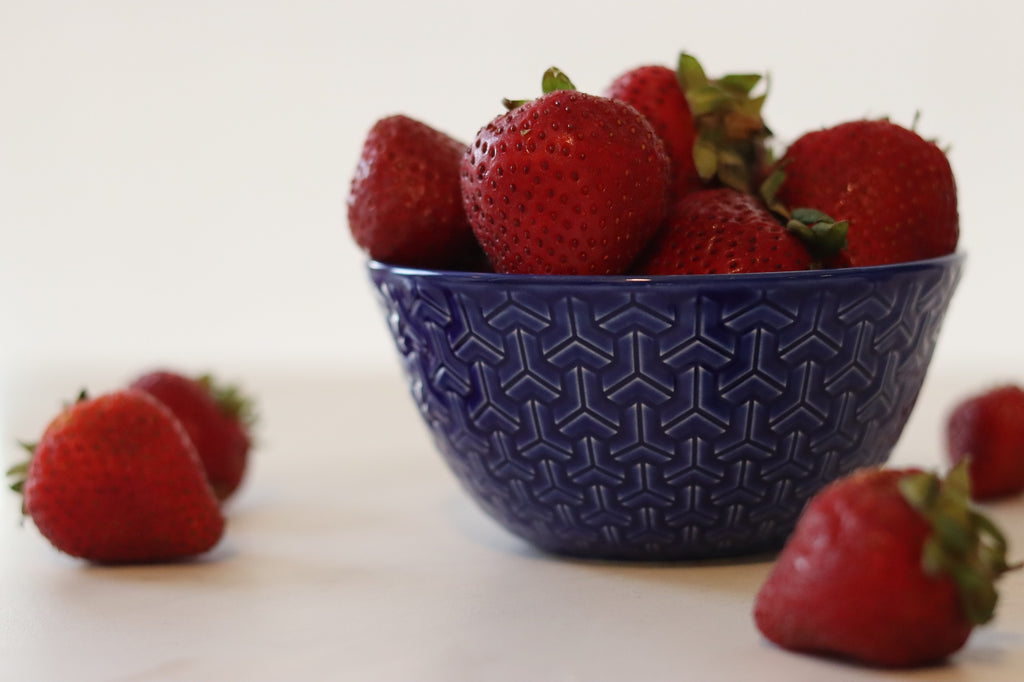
[988, 430]
[888, 567]
[219, 420]
[115, 479]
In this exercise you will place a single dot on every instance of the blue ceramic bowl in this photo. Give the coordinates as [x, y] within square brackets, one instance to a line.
[663, 418]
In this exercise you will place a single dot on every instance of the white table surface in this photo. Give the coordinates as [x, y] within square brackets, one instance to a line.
[352, 554]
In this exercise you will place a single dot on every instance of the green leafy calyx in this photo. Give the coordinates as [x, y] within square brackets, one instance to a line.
[964, 544]
[553, 80]
[731, 133]
[18, 472]
[822, 235]
[231, 399]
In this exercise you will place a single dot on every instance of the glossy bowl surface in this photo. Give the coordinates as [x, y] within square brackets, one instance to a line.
[663, 418]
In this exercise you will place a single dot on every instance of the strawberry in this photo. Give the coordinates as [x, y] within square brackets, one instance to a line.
[712, 128]
[218, 420]
[115, 479]
[567, 183]
[888, 567]
[405, 202]
[894, 188]
[721, 230]
[655, 92]
[987, 429]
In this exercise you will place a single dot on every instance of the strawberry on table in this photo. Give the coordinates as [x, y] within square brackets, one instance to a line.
[568, 183]
[218, 419]
[987, 430]
[716, 231]
[894, 188]
[405, 202]
[888, 567]
[115, 479]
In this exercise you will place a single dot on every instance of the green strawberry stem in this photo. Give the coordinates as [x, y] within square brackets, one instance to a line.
[231, 399]
[964, 544]
[823, 236]
[18, 472]
[553, 80]
[731, 133]
[769, 190]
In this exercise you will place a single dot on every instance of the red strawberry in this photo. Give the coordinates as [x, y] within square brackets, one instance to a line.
[568, 183]
[712, 128]
[988, 430]
[656, 93]
[405, 205]
[894, 188]
[115, 479]
[217, 418]
[722, 230]
[885, 567]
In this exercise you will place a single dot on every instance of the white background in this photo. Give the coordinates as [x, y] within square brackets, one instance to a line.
[173, 173]
[173, 177]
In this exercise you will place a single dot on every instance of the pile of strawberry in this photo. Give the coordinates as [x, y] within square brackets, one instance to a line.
[667, 172]
[139, 474]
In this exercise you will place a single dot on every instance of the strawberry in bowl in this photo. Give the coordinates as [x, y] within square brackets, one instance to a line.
[657, 360]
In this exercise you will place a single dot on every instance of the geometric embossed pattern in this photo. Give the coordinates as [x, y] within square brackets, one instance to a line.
[691, 418]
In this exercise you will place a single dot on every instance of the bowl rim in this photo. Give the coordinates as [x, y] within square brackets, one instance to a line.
[945, 261]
